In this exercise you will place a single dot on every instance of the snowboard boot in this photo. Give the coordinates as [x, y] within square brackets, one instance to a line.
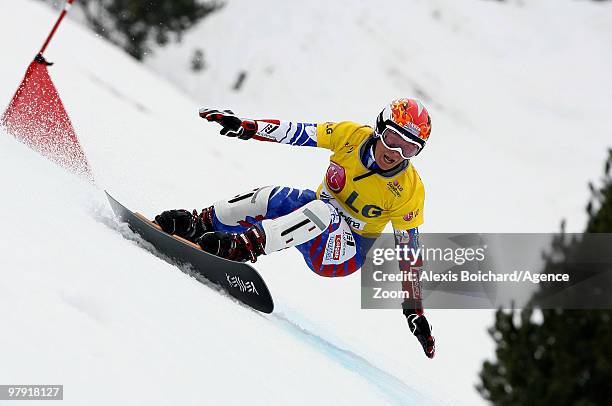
[184, 224]
[240, 247]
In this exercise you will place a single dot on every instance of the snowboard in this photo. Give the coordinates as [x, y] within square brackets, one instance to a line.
[238, 279]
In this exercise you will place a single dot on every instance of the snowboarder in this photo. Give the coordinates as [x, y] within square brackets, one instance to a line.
[369, 182]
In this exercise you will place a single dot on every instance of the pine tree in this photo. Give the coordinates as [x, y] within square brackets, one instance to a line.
[133, 24]
[566, 357]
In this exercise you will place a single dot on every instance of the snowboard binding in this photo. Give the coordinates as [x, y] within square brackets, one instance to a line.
[184, 224]
[240, 247]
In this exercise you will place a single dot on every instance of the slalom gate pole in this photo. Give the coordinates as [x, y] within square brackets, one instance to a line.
[57, 23]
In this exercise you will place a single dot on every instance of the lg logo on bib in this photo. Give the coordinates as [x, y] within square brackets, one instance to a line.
[335, 177]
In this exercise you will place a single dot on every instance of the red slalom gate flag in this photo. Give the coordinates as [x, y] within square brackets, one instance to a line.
[36, 115]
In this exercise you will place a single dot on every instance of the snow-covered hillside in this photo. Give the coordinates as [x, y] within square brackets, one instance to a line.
[85, 307]
[89, 309]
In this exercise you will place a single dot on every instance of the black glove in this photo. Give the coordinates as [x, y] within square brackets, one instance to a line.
[422, 331]
[182, 223]
[233, 126]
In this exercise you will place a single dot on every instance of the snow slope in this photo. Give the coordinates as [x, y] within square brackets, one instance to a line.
[85, 307]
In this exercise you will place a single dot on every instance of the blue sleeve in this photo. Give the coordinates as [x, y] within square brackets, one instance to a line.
[287, 132]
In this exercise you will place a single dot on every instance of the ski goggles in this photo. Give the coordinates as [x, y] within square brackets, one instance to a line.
[395, 141]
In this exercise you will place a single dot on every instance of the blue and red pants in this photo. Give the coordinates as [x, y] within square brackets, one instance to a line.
[336, 252]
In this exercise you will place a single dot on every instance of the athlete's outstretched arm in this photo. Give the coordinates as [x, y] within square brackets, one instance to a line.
[283, 132]
[411, 268]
